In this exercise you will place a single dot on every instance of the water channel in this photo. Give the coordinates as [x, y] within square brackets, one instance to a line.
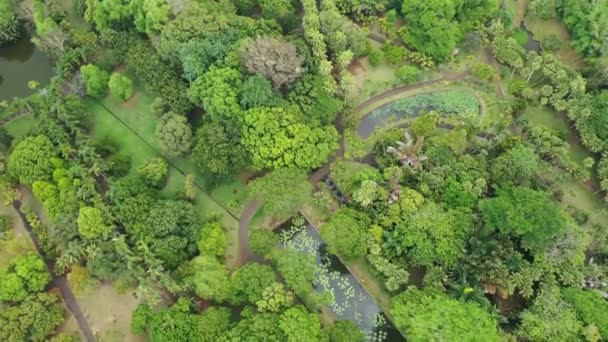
[350, 300]
[21, 62]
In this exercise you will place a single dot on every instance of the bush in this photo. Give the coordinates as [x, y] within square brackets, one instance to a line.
[394, 54]
[551, 43]
[6, 227]
[407, 74]
[154, 171]
[375, 57]
[520, 36]
[95, 79]
[483, 72]
[9, 25]
[120, 86]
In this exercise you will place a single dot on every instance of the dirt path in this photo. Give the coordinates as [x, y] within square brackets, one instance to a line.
[245, 253]
[59, 282]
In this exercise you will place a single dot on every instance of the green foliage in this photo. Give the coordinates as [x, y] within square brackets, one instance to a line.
[299, 270]
[150, 15]
[519, 165]
[262, 241]
[526, 213]
[508, 51]
[274, 298]
[375, 57]
[212, 240]
[259, 327]
[551, 43]
[520, 36]
[217, 92]
[9, 24]
[407, 74]
[175, 134]
[249, 282]
[26, 275]
[120, 86]
[483, 72]
[394, 54]
[32, 160]
[346, 233]
[95, 79]
[296, 323]
[256, 91]
[590, 307]
[544, 9]
[6, 227]
[91, 223]
[140, 318]
[209, 278]
[272, 189]
[34, 319]
[431, 27]
[154, 171]
[428, 315]
[275, 139]
[586, 22]
[176, 323]
[550, 318]
[345, 330]
[315, 102]
[197, 56]
[217, 151]
[274, 59]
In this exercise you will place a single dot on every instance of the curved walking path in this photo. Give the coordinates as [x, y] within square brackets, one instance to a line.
[59, 282]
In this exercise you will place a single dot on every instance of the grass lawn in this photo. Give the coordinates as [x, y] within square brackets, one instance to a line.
[543, 28]
[20, 125]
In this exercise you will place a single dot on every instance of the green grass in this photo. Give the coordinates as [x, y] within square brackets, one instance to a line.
[20, 125]
[543, 28]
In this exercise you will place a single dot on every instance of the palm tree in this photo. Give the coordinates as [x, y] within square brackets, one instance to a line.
[408, 153]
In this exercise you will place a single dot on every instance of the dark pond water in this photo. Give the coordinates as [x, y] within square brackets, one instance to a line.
[21, 62]
[351, 301]
[532, 44]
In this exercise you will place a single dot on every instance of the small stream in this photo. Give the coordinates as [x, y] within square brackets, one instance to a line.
[21, 62]
[351, 301]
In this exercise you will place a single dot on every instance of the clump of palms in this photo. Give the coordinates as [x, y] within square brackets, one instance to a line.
[408, 152]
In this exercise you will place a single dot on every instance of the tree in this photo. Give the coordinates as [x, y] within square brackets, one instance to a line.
[209, 278]
[217, 151]
[150, 15]
[217, 91]
[550, 319]
[275, 297]
[346, 233]
[9, 24]
[526, 213]
[174, 133]
[519, 165]
[34, 319]
[249, 282]
[176, 323]
[197, 56]
[544, 9]
[296, 323]
[345, 330]
[91, 223]
[32, 160]
[212, 240]
[275, 139]
[120, 86]
[262, 241]
[431, 315]
[258, 327]
[274, 59]
[367, 193]
[95, 79]
[431, 27]
[407, 74]
[154, 172]
[271, 188]
[26, 275]
[590, 307]
[298, 269]
[256, 91]
[508, 51]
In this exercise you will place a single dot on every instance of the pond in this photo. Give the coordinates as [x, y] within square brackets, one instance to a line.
[531, 44]
[350, 300]
[21, 62]
[455, 101]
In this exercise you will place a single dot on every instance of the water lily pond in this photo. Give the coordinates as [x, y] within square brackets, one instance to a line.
[350, 300]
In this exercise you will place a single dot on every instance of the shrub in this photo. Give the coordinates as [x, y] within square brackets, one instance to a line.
[407, 74]
[551, 43]
[375, 57]
[95, 79]
[9, 25]
[520, 36]
[5, 227]
[154, 172]
[483, 72]
[394, 54]
[120, 86]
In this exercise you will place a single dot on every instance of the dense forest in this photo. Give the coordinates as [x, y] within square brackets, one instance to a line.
[285, 170]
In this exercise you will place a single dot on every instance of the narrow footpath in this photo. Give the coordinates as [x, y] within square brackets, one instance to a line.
[59, 282]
